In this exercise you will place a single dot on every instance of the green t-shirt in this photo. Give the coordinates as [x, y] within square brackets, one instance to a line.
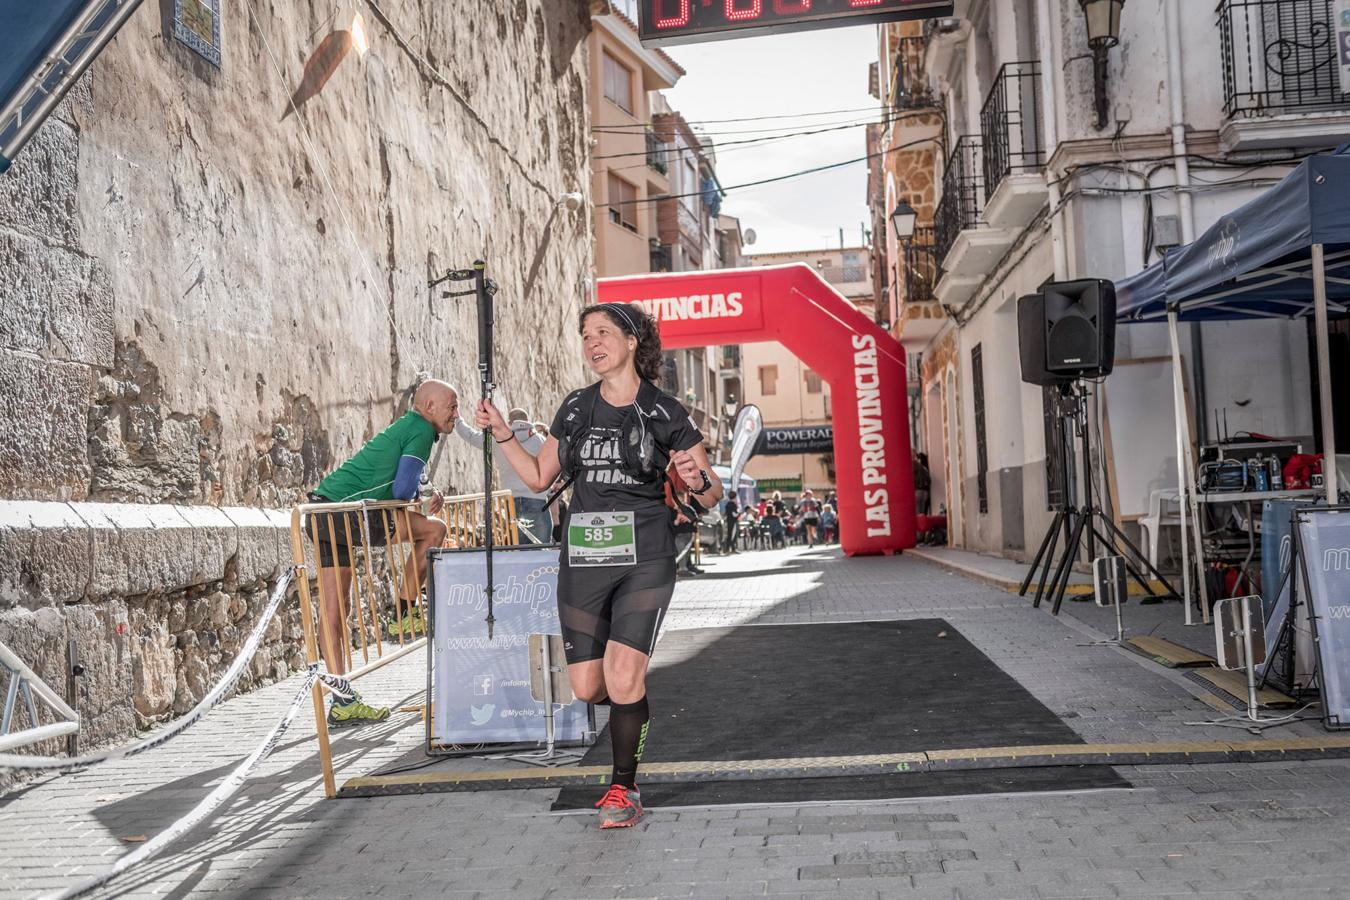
[369, 475]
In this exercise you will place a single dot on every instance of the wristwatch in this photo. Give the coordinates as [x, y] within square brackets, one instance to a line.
[707, 483]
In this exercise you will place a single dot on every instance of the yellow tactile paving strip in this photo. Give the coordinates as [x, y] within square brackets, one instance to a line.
[1158, 753]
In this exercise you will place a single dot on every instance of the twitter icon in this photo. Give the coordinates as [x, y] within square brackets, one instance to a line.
[482, 715]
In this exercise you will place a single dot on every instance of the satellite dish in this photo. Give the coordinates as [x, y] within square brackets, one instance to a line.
[750, 237]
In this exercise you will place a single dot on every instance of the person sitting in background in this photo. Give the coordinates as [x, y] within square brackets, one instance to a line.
[530, 514]
[388, 467]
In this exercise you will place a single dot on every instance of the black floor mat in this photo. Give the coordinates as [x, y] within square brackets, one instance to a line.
[772, 691]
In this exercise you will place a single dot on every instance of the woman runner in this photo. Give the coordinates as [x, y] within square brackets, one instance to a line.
[617, 565]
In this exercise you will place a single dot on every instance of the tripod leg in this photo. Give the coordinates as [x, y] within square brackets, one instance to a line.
[1036, 562]
[1066, 562]
[1049, 559]
[1171, 591]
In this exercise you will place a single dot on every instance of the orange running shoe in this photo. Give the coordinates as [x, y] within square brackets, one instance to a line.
[621, 807]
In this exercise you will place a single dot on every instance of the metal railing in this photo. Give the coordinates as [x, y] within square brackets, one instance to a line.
[963, 195]
[921, 266]
[909, 88]
[660, 257]
[656, 153]
[1010, 123]
[1279, 57]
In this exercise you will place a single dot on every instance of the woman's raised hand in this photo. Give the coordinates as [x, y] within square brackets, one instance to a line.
[485, 415]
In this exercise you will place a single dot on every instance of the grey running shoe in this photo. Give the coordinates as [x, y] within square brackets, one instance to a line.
[621, 807]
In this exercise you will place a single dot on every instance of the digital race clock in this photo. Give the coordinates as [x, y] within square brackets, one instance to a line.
[687, 21]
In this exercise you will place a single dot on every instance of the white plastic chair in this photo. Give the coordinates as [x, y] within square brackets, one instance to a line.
[1164, 509]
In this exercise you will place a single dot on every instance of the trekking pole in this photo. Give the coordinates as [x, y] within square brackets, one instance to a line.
[483, 290]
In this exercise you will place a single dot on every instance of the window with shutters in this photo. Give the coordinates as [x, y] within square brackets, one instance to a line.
[622, 203]
[981, 448]
[618, 84]
[812, 382]
[768, 380]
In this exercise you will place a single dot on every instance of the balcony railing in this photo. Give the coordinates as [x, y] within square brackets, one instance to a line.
[661, 257]
[1010, 123]
[909, 86]
[844, 274]
[921, 266]
[963, 195]
[1279, 56]
[656, 153]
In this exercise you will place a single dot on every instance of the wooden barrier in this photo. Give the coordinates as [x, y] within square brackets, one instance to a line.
[463, 517]
[353, 591]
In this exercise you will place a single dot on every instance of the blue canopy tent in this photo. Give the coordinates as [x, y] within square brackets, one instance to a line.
[44, 48]
[1285, 254]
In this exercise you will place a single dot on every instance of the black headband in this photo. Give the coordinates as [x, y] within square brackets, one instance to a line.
[624, 313]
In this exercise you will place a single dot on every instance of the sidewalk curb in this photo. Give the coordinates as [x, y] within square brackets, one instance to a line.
[1073, 590]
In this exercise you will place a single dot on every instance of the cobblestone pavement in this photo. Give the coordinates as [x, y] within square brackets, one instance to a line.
[1258, 830]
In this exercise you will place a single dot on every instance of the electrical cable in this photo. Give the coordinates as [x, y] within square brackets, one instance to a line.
[826, 112]
[715, 148]
[777, 178]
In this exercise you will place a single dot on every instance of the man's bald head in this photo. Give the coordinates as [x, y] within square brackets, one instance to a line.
[438, 403]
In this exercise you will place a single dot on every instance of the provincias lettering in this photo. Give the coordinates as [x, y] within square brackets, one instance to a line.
[694, 306]
[871, 434]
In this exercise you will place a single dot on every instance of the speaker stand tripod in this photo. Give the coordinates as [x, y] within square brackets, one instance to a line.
[1084, 523]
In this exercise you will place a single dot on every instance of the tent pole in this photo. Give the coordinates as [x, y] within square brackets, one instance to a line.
[1188, 510]
[1319, 279]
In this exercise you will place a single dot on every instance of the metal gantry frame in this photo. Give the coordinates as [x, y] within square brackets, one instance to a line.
[57, 71]
[24, 682]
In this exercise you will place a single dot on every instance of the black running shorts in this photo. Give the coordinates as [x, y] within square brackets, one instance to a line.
[599, 604]
[378, 521]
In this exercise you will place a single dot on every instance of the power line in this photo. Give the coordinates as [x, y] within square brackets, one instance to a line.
[728, 188]
[827, 112]
[716, 147]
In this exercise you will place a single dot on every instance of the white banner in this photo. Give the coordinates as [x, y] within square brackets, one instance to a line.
[749, 424]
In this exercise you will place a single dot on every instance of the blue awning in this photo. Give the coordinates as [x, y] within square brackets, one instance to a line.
[1255, 262]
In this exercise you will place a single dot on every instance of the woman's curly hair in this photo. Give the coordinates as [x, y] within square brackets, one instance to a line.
[631, 320]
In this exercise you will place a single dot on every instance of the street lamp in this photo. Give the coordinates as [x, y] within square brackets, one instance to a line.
[1103, 27]
[904, 219]
[1103, 22]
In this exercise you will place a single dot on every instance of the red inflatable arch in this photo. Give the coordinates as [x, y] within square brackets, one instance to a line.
[865, 368]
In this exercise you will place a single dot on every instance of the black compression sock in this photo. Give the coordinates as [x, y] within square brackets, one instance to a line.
[628, 735]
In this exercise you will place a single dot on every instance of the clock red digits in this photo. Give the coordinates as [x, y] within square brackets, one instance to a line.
[740, 15]
[860, 3]
[675, 21]
[791, 6]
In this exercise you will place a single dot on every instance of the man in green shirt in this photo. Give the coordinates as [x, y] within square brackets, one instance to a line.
[388, 467]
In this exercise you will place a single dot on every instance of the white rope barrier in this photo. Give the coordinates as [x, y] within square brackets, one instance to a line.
[209, 804]
[227, 681]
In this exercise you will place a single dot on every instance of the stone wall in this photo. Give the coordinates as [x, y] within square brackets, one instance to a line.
[203, 303]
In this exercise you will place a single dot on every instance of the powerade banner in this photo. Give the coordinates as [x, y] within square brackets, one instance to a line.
[806, 439]
[1324, 537]
[481, 689]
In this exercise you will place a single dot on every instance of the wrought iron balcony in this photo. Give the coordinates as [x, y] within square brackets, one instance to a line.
[1279, 57]
[656, 153]
[921, 266]
[963, 194]
[661, 258]
[909, 87]
[1010, 123]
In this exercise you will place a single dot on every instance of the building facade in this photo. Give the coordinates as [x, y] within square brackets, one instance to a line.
[1029, 156]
